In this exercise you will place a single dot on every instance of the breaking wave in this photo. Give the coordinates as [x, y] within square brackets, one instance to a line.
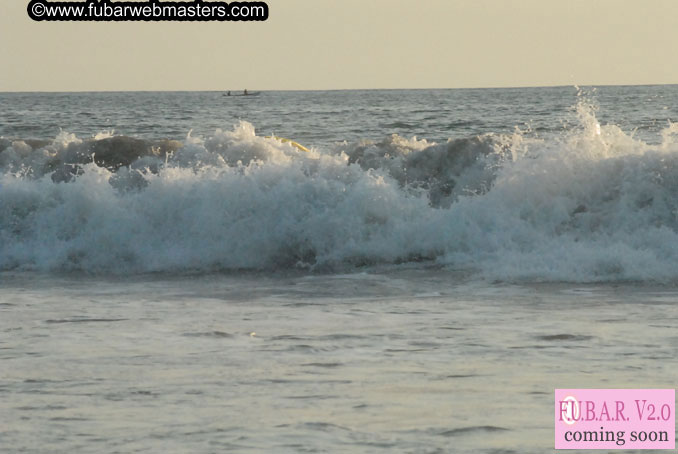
[591, 204]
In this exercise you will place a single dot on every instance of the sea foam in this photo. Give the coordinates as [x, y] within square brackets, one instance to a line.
[590, 204]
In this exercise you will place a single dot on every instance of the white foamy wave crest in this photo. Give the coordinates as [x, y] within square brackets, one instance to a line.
[593, 204]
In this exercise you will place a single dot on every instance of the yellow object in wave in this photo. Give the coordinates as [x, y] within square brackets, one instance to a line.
[291, 142]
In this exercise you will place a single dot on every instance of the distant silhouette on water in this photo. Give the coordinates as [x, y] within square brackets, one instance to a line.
[245, 92]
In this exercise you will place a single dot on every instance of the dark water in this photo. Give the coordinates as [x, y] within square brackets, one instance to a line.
[321, 117]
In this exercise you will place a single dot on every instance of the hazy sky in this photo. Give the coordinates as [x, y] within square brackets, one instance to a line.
[335, 44]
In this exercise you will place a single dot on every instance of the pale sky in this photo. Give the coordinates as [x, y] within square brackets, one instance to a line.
[346, 44]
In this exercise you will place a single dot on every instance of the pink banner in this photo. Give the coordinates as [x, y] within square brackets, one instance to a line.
[615, 419]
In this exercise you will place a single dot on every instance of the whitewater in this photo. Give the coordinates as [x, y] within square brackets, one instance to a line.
[175, 277]
[588, 203]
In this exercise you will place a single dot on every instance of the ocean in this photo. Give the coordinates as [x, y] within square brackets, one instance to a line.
[411, 271]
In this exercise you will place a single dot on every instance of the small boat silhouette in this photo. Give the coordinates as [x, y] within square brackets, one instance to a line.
[249, 93]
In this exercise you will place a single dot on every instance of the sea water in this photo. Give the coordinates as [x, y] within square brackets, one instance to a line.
[177, 279]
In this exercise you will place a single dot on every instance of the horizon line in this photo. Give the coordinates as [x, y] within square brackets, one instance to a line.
[508, 87]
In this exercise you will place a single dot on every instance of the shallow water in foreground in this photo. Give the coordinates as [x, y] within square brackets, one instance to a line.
[399, 360]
